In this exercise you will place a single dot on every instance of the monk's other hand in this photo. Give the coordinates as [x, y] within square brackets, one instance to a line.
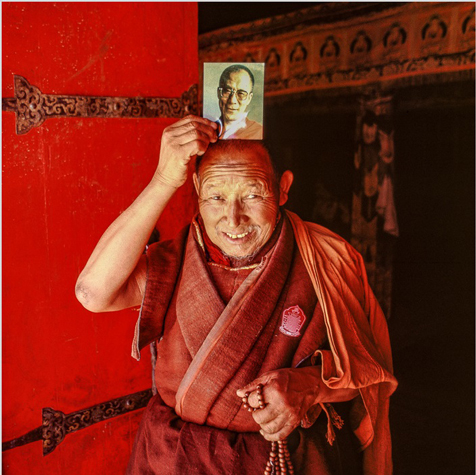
[288, 394]
[181, 142]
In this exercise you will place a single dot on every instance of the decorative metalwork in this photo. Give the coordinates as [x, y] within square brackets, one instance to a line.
[32, 436]
[32, 107]
[57, 425]
[54, 431]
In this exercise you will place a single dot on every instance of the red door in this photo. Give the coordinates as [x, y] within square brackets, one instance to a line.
[64, 182]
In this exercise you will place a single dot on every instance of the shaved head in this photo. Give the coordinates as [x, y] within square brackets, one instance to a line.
[227, 149]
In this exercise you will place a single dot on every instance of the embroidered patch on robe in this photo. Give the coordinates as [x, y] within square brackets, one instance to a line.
[293, 320]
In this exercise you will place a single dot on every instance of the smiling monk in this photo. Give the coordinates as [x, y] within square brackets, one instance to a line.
[248, 304]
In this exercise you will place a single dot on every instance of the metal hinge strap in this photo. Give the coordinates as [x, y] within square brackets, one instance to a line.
[57, 425]
[32, 107]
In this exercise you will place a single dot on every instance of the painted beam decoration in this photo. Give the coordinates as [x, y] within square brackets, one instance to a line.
[353, 45]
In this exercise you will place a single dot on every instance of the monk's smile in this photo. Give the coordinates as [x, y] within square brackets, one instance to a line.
[234, 237]
[238, 239]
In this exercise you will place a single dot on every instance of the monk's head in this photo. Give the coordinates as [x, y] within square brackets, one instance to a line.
[239, 195]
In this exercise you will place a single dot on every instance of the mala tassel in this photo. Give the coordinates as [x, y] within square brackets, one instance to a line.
[336, 419]
[332, 419]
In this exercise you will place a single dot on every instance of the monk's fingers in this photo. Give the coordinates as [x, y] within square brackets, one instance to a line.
[194, 147]
[278, 428]
[180, 142]
[191, 123]
[280, 434]
[194, 134]
[273, 426]
[191, 118]
[266, 415]
[263, 380]
[272, 421]
[257, 399]
[189, 143]
[187, 135]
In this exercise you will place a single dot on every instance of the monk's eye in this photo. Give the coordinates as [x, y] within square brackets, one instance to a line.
[216, 198]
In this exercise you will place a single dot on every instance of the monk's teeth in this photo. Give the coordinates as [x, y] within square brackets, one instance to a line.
[237, 236]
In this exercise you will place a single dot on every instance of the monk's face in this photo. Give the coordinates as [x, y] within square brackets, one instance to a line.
[238, 201]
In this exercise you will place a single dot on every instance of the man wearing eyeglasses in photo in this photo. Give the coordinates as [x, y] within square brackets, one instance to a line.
[235, 92]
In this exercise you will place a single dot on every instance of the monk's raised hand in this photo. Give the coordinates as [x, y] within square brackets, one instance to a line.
[288, 395]
[181, 142]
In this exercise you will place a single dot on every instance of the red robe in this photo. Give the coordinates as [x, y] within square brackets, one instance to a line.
[209, 349]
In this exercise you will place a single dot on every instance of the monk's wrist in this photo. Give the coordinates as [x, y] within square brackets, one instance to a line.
[164, 189]
[314, 385]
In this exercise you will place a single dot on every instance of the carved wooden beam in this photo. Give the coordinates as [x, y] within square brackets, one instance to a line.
[32, 107]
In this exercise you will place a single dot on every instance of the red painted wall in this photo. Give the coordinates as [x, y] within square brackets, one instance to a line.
[63, 184]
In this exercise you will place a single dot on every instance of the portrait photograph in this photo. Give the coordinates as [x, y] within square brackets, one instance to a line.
[233, 98]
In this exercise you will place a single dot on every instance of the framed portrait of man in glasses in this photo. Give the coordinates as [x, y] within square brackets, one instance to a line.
[233, 98]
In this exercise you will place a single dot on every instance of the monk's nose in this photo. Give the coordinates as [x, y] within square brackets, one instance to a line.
[234, 213]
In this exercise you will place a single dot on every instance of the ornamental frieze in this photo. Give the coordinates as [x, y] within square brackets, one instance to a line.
[400, 44]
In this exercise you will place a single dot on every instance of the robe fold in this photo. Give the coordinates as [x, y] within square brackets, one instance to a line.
[360, 354]
[208, 349]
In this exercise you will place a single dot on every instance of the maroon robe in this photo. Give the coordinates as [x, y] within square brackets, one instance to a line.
[209, 348]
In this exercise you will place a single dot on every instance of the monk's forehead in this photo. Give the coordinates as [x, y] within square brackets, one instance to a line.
[243, 162]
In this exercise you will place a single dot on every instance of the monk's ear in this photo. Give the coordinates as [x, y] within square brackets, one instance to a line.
[196, 183]
[284, 185]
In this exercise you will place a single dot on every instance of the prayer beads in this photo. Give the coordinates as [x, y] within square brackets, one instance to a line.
[279, 462]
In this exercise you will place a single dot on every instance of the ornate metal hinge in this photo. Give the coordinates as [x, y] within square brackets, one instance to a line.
[57, 425]
[32, 107]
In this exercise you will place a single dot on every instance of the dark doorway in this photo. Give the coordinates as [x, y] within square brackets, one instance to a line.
[432, 324]
[317, 145]
[432, 327]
